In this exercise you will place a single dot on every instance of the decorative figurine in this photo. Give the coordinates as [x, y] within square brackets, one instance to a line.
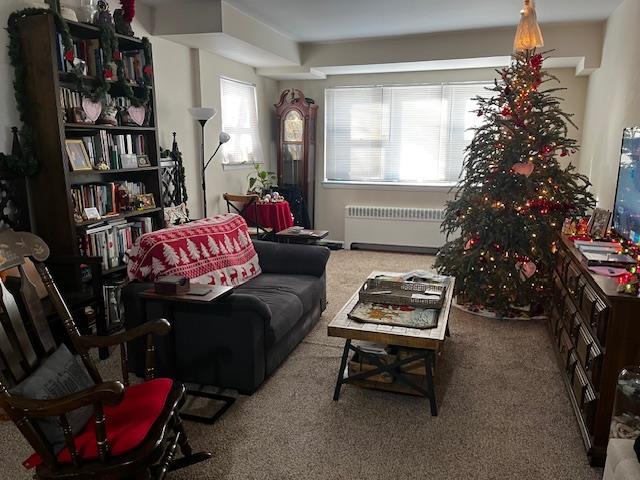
[124, 16]
[103, 17]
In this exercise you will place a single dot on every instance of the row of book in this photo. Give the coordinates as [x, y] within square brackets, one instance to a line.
[108, 198]
[116, 150]
[112, 240]
[89, 51]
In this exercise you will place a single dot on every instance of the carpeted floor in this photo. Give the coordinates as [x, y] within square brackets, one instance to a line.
[504, 413]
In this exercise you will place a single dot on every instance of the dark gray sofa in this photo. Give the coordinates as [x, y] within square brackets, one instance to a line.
[238, 341]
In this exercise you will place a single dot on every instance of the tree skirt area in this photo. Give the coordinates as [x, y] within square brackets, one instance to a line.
[482, 311]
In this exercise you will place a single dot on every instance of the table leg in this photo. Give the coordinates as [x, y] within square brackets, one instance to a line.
[343, 365]
[428, 363]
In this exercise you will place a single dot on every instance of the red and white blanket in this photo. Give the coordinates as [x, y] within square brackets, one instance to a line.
[214, 251]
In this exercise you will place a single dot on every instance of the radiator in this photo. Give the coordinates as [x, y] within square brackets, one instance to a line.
[394, 226]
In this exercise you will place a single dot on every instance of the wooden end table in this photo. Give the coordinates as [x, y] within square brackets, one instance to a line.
[426, 342]
[167, 303]
[294, 235]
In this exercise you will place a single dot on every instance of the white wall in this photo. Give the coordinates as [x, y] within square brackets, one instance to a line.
[330, 201]
[613, 101]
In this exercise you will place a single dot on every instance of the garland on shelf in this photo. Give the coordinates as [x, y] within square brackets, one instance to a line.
[27, 164]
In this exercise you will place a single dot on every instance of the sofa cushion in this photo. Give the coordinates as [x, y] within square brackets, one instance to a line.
[285, 307]
[306, 287]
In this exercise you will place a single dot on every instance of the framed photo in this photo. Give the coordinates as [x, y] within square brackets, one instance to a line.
[78, 155]
[129, 160]
[143, 161]
[92, 213]
[599, 223]
[145, 201]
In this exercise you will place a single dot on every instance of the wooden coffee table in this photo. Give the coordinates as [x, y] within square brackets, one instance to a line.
[426, 342]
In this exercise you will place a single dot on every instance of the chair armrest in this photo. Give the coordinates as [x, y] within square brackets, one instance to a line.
[292, 259]
[157, 327]
[107, 393]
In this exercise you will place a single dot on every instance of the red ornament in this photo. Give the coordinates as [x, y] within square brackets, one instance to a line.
[117, 55]
[108, 74]
[536, 61]
[547, 149]
[564, 153]
[506, 112]
[148, 70]
[69, 56]
[129, 9]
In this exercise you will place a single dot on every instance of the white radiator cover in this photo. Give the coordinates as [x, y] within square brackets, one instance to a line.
[396, 226]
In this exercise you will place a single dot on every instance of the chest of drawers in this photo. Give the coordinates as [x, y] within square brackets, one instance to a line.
[595, 332]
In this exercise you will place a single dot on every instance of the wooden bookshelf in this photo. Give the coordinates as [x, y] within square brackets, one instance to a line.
[50, 190]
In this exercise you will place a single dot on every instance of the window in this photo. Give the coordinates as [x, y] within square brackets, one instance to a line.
[400, 134]
[240, 121]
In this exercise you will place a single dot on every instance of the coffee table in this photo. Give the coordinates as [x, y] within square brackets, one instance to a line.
[426, 342]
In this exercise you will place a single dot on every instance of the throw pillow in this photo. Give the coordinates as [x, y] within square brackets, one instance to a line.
[213, 251]
[59, 375]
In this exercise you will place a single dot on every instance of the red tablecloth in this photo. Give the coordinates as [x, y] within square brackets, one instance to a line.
[269, 215]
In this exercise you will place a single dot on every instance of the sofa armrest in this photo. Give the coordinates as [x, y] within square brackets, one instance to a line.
[292, 259]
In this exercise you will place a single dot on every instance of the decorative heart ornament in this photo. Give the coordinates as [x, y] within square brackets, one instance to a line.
[523, 168]
[137, 114]
[528, 269]
[91, 109]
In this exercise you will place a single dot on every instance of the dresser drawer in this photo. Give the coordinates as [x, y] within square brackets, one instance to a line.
[596, 313]
[589, 355]
[562, 260]
[565, 347]
[574, 282]
[584, 395]
[569, 319]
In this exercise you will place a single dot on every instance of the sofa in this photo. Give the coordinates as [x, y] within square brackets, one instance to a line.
[237, 342]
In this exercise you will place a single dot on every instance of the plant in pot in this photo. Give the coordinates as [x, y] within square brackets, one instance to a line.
[261, 181]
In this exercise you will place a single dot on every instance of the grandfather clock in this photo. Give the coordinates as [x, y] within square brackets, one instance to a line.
[297, 153]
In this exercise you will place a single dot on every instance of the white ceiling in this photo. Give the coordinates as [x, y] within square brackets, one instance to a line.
[328, 20]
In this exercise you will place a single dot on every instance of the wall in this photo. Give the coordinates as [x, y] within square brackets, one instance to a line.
[331, 200]
[613, 101]
[180, 83]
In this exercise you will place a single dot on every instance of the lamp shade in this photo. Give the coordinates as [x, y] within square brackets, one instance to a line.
[224, 137]
[202, 114]
[528, 34]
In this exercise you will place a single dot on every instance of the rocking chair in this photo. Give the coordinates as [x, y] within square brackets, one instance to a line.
[135, 430]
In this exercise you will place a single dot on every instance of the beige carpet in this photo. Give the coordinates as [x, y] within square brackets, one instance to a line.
[504, 413]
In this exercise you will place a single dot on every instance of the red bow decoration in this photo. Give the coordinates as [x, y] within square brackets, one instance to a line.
[69, 56]
[117, 55]
[108, 74]
[536, 61]
[148, 70]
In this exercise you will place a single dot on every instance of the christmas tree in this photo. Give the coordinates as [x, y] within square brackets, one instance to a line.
[513, 195]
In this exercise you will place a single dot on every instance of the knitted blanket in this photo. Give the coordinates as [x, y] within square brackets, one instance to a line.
[214, 251]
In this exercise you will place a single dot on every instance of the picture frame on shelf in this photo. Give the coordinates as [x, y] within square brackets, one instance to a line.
[129, 160]
[92, 213]
[79, 159]
[599, 223]
[145, 201]
[143, 161]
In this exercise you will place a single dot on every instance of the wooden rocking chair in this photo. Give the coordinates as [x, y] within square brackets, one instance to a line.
[98, 451]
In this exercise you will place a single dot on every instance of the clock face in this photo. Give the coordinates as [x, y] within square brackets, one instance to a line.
[293, 127]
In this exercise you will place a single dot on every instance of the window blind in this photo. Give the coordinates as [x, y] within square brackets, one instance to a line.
[399, 134]
[239, 112]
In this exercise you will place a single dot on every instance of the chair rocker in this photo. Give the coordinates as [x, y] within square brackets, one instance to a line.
[247, 206]
[134, 431]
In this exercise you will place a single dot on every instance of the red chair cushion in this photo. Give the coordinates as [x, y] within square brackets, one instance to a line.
[127, 423]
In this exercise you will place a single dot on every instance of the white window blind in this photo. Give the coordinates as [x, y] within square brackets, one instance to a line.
[399, 134]
[240, 121]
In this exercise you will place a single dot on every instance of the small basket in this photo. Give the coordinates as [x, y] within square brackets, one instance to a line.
[401, 293]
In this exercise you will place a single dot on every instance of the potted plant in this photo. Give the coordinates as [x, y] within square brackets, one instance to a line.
[261, 181]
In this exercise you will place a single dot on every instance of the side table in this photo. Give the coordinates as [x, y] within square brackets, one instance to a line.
[168, 303]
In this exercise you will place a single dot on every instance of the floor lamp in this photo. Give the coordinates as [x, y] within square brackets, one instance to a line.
[203, 115]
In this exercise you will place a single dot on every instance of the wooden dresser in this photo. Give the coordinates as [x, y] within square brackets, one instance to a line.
[596, 332]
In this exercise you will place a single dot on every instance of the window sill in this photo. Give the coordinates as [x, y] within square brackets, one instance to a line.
[239, 166]
[410, 187]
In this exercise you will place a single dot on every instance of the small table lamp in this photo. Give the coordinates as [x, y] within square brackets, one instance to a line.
[203, 115]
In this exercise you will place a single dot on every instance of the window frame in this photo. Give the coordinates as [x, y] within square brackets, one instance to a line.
[437, 186]
[258, 153]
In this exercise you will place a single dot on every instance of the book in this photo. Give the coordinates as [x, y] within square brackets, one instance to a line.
[607, 259]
